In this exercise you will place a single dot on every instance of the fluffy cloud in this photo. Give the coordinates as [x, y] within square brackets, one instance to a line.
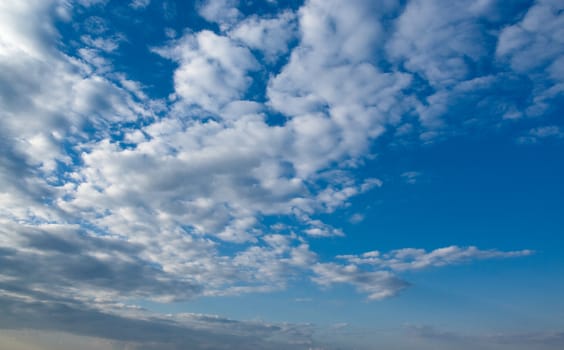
[268, 35]
[333, 70]
[108, 195]
[223, 12]
[534, 47]
[50, 99]
[438, 39]
[377, 284]
[213, 69]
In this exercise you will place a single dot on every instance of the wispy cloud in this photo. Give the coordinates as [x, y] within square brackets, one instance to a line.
[502, 340]
[139, 4]
[415, 259]
[542, 132]
[411, 177]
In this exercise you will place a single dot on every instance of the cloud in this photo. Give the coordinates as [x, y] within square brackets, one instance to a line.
[471, 55]
[410, 177]
[271, 36]
[547, 131]
[533, 47]
[139, 4]
[336, 96]
[534, 42]
[541, 133]
[109, 195]
[415, 259]
[61, 261]
[500, 340]
[88, 3]
[437, 41]
[435, 31]
[147, 331]
[356, 218]
[377, 284]
[375, 273]
[213, 69]
[223, 12]
[196, 181]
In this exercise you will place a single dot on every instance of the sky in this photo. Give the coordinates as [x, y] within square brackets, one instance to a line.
[299, 175]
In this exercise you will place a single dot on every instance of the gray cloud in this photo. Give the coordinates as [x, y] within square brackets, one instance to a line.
[195, 331]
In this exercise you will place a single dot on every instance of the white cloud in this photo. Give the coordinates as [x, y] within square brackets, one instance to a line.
[375, 273]
[330, 87]
[48, 98]
[66, 325]
[270, 35]
[535, 41]
[542, 132]
[323, 231]
[213, 69]
[442, 42]
[411, 177]
[223, 12]
[434, 37]
[139, 4]
[534, 47]
[377, 284]
[356, 218]
[547, 131]
[497, 340]
[92, 2]
[86, 219]
[415, 259]
[100, 43]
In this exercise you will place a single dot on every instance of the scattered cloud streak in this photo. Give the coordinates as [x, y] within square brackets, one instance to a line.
[501, 340]
[415, 259]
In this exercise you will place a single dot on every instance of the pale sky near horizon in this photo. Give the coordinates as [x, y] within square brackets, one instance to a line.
[263, 174]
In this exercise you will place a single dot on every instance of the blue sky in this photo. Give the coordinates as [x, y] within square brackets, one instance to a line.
[226, 174]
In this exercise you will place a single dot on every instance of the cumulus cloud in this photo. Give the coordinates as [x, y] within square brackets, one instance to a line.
[271, 36]
[49, 98]
[534, 42]
[334, 70]
[109, 195]
[534, 47]
[213, 69]
[223, 12]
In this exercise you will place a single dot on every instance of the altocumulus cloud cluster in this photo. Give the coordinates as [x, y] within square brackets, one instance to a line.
[109, 194]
